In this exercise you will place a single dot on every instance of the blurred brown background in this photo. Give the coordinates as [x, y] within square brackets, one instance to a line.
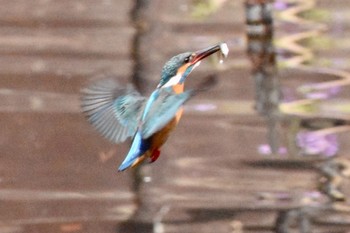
[265, 150]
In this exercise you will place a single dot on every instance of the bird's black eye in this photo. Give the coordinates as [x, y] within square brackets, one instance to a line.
[188, 58]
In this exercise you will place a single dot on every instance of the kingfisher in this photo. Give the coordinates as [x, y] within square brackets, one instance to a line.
[121, 112]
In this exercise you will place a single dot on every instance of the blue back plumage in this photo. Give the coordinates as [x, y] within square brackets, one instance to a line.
[154, 96]
[139, 144]
[138, 147]
[160, 109]
[163, 110]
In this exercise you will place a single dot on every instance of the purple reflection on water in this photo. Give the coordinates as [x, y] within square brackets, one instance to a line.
[318, 144]
[201, 107]
[280, 5]
[288, 95]
[322, 94]
[314, 92]
[313, 194]
[265, 149]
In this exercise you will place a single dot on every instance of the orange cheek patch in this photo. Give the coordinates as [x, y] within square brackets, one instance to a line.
[179, 88]
[182, 69]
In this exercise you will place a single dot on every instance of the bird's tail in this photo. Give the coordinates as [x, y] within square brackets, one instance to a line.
[136, 151]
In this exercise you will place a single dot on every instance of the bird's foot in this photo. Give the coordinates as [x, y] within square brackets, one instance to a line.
[155, 155]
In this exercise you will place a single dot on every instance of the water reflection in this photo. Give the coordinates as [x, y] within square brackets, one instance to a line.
[295, 141]
[312, 138]
[262, 55]
[264, 154]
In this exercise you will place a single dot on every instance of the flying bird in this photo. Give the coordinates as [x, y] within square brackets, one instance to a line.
[120, 112]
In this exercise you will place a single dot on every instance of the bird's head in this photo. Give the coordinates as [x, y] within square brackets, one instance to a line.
[180, 66]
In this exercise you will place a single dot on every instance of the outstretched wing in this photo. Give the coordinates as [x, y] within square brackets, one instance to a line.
[112, 109]
[163, 110]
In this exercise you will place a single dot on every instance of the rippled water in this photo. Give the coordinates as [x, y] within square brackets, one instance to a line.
[264, 150]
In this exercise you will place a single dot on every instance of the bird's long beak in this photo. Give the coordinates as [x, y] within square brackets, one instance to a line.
[203, 53]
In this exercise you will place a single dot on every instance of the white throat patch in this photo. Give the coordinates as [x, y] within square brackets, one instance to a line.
[176, 79]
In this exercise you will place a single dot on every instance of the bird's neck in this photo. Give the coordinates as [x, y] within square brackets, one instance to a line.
[178, 88]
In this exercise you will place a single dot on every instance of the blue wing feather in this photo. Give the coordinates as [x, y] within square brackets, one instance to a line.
[112, 109]
[159, 110]
[138, 147]
[163, 110]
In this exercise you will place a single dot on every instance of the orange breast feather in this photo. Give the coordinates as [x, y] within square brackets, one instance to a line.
[159, 138]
